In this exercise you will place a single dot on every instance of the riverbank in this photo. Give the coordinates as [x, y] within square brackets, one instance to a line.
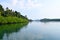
[9, 16]
[9, 20]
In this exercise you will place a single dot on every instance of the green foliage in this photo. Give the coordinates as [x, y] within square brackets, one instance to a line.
[5, 20]
[1, 8]
[9, 16]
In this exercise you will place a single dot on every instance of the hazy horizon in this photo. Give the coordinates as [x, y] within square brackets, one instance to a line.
[34, 9]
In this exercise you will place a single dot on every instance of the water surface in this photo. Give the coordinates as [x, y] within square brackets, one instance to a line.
[35, 31]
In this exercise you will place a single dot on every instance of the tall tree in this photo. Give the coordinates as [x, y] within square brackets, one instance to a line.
[1, 10]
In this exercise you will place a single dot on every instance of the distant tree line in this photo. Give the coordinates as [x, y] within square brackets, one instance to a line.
[48, 20]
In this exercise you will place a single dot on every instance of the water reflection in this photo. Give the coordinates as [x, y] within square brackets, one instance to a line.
[32, 31]
[7, 29]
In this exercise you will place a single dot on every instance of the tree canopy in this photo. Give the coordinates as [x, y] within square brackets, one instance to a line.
[10, 15]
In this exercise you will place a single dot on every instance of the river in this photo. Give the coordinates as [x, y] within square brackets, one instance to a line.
[33, 31]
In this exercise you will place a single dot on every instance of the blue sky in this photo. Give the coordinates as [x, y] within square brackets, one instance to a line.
[34, 9]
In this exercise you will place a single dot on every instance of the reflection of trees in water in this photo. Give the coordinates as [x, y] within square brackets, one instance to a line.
[11, 28]
[44, 22]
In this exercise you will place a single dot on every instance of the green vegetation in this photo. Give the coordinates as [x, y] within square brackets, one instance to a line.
[48, 20]
[10, 16]
[10, 28]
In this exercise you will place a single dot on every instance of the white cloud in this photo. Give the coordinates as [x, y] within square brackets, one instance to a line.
[32, 4]
[14, 2]
[26, 3]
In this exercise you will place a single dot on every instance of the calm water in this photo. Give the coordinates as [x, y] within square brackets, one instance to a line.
[35, 31]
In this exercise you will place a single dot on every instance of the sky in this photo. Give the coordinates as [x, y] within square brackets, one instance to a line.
[34, 9]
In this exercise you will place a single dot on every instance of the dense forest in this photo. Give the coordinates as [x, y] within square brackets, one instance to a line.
[9, 16]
